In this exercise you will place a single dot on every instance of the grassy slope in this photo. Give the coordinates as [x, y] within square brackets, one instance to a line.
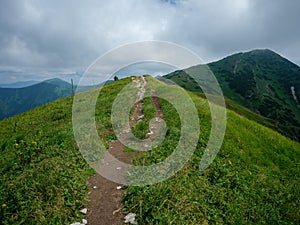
[234, 102]
[254, 178]
[43, 176]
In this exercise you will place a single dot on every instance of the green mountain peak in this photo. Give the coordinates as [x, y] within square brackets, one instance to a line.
[260, 80]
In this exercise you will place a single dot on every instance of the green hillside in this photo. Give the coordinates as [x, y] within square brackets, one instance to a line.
[14, 101]
[261, 81]
[43, 177]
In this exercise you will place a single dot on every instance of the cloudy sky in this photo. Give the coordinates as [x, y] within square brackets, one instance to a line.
[45, 39]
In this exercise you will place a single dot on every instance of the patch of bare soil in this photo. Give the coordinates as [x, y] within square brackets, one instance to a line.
[105, 198]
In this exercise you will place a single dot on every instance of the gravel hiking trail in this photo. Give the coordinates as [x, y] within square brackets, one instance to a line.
[105, 198]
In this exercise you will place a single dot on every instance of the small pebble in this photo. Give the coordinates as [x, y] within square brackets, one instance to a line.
[84, 211]
[151, 132]
[119, 187]
[141, 117]
[130, 218]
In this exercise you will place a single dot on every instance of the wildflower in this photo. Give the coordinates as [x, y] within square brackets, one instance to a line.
[16, 145]
[4, 205]
[229, 162]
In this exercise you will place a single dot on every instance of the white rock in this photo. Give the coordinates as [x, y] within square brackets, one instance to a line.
[141, 117]
[84, 221]
[84, 211]
[119, 187]
[76, 223]
[95, 187]
[130, 218]
[118, 168]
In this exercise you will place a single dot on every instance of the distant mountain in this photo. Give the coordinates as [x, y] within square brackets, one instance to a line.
[17, 100]
[58, 82]
[260, 80]
[19, 84]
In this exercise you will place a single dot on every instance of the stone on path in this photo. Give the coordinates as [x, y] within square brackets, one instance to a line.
[130, 218]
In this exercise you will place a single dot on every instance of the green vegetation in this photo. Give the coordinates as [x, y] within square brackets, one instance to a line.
[141, 128]
[254, 178]
[42, 174]
[43, 177]
[104, 106]
[259, 80]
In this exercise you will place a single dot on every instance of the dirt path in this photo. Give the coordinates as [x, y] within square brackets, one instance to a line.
[105, 199]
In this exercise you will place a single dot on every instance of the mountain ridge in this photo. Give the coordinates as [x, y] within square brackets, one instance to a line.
[260, 80]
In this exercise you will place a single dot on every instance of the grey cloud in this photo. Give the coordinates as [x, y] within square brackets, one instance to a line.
[215, 29]
[58, 35]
